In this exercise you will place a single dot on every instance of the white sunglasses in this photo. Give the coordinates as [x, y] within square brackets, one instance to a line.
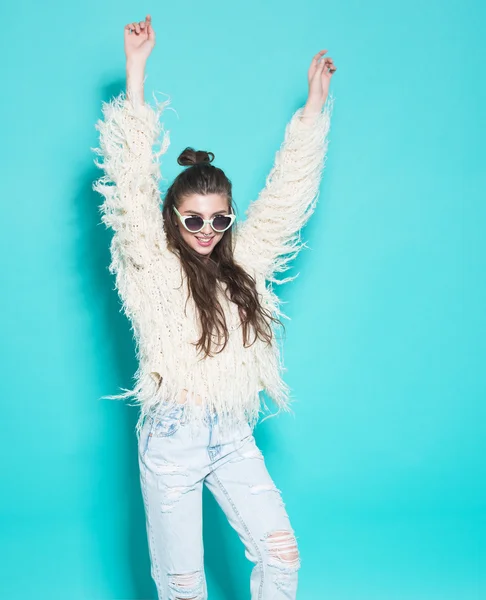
[195, 223]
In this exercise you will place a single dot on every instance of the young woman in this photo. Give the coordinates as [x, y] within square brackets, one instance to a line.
[197, 289]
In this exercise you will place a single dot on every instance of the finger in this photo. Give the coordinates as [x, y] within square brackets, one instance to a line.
[316, 59]
[318, 56]
[321, 65]
[328, 64]
[142, 24]
[326, 60]
[328, 71]
[150, 29]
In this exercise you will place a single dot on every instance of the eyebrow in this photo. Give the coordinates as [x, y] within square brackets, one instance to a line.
[194, 212]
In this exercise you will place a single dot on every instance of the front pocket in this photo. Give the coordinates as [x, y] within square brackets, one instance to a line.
[168, 422]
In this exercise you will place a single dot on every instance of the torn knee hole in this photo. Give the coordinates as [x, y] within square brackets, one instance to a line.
[282, 546]
[186, 586]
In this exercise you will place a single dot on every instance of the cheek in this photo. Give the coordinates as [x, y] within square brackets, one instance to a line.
[187, 237]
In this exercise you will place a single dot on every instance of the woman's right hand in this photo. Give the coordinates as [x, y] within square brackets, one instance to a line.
[139, 40]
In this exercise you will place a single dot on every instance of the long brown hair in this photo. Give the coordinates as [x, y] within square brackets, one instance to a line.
[204, 274]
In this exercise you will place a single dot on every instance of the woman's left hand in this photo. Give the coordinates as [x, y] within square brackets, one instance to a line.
[321, 70]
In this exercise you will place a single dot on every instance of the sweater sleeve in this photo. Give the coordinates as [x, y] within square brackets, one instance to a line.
[129, 184]
[269, 238]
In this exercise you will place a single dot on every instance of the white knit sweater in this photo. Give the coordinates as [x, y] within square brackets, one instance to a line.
[152, 284]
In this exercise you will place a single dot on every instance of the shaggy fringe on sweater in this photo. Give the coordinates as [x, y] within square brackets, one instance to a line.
[151, 282]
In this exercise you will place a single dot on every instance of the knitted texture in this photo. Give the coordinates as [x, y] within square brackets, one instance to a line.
[153, 286]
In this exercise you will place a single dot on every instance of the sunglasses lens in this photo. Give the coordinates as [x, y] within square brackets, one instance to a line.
[221, 222]
[194, 223]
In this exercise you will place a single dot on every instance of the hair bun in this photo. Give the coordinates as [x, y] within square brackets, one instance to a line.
[190, 157]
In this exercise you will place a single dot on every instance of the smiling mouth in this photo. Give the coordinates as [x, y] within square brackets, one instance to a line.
[205, 241]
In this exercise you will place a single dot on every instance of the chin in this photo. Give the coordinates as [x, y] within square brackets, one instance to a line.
[203, 251]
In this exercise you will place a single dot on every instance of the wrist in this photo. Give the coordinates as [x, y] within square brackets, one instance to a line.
[312, 108]
[311, 112]
[135, 65]
[135, 82]
[315, 103]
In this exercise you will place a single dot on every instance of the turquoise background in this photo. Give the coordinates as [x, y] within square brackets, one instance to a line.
[382, 467]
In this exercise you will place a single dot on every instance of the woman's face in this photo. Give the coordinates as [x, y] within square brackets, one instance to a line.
[205, 206]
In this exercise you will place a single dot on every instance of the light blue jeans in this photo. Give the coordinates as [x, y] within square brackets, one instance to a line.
[174, 465]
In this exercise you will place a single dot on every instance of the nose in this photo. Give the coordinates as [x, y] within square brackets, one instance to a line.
[207, 229]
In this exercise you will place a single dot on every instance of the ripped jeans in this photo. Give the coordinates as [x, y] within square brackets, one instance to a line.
[173, 468]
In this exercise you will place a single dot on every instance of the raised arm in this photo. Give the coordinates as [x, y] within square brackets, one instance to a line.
[128, 132]
[269, 238]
